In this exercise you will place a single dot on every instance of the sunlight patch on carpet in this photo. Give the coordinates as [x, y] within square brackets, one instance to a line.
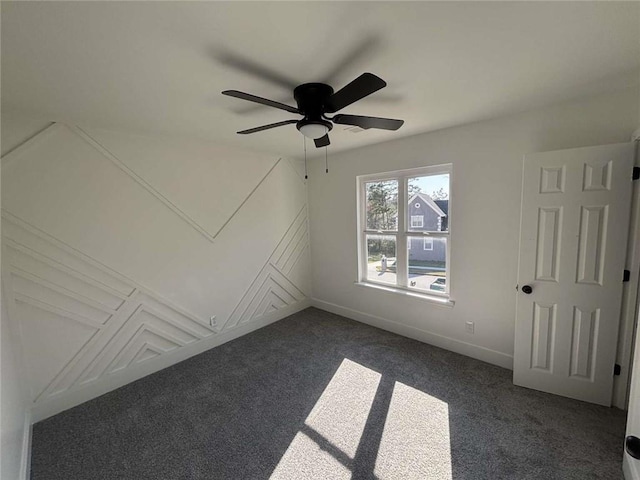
[415, 442]
[327, 444]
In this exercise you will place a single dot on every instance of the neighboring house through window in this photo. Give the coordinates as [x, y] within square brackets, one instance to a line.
[396, 212]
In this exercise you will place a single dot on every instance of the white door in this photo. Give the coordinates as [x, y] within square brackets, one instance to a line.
[573, 238]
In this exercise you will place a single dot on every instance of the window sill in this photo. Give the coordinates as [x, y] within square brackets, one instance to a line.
[437, 300]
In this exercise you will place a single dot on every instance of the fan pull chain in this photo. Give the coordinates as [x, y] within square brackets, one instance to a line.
[305, 157]
[326, 162]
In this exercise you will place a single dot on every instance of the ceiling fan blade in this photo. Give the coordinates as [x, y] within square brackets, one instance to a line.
[364, 85]
[322, 141]
[267, 127]
[253, 68]
[248, 108]
[263, 101]
[360, 52]
[368, 122]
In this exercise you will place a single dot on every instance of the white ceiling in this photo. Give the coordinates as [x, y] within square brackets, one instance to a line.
[160, 67]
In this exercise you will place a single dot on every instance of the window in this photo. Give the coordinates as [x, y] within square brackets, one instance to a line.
[388, 225]
[417, 221]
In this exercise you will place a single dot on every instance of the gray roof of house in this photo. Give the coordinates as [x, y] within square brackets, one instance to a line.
[444, 205]
[429, 201]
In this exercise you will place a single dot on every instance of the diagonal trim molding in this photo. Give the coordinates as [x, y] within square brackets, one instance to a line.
[147, 186]
[82, 257]
[248, 197]
[15, 152]
[272, 280]
[47, 284]
[55, 127]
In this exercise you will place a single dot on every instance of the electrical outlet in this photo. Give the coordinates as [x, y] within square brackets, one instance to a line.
[469, 326]
[212, 321]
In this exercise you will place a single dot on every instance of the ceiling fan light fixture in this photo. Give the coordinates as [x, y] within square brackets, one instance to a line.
[314, 129]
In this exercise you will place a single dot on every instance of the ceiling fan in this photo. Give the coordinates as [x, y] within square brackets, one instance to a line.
[316, 100]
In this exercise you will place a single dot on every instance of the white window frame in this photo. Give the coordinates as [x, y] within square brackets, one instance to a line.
[424, 244]
[402, 234]
[417, 217]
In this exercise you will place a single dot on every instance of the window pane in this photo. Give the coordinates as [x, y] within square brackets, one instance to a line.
[382, 205]
[427, 263]
[428, 208]
[381, 258]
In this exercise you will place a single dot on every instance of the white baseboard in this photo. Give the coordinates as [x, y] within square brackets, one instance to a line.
[50, 407]
[480, 353]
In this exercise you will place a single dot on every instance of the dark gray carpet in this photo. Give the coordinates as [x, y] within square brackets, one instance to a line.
[232, 412]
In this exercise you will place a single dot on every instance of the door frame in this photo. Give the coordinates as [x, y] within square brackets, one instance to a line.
[630, 468]
[630, 294]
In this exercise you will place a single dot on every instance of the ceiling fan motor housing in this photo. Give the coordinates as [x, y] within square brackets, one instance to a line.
[312, 98]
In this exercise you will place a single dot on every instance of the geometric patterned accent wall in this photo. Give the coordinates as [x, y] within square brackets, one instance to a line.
[81, 322]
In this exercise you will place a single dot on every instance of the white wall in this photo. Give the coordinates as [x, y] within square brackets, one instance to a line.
[119, 248]
[486, 189]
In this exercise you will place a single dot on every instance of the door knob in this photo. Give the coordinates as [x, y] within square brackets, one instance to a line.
[632, 446]
[527, 289]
